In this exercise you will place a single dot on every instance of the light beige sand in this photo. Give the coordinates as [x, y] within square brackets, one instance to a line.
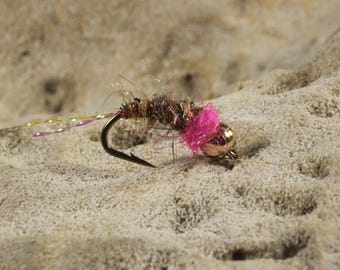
[66, 204]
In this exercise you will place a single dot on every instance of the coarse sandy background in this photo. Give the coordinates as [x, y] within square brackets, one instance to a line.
[272, 70]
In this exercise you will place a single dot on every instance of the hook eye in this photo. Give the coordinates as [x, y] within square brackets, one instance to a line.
[132, 158]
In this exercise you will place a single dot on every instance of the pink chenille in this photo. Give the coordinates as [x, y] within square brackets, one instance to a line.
[202, 128]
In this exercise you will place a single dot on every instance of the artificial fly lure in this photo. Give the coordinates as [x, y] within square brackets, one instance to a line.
[199, 126]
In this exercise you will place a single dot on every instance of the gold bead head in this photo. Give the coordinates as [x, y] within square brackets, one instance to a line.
[222, 145]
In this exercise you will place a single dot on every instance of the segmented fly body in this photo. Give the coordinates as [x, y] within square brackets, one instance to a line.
[173, 113]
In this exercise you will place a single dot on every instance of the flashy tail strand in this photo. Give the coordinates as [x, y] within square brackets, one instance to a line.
[72, 122]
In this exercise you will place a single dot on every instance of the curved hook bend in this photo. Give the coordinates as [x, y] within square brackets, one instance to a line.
[116, 153]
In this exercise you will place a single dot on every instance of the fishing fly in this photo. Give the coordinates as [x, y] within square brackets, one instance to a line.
[199, 126]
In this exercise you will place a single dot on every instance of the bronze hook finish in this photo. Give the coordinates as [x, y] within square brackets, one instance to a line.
[132, 158]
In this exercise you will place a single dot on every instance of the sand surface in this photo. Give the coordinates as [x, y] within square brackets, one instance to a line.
[273, 73]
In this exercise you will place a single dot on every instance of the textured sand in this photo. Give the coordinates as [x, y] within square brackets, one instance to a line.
[66, 204]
